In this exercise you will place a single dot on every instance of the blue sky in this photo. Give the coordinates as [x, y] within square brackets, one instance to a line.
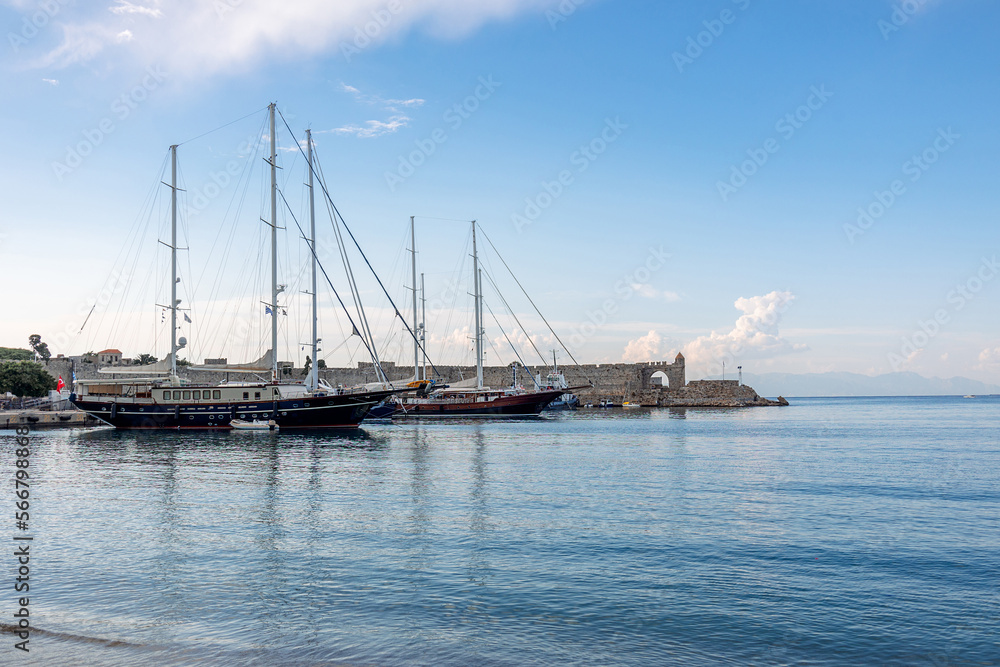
[741, 138]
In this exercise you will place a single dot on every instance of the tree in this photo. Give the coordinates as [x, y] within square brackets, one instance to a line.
[144, 359]
[40, 348]
[321, 364]
[25, 378]
[16, 354]
[305, 370]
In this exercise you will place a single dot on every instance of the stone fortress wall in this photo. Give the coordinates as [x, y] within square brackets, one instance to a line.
[611, 382]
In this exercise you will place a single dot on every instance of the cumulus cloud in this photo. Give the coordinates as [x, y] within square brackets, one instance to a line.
[755, 335]
[989, 359]
[650, 347]
[197, 38]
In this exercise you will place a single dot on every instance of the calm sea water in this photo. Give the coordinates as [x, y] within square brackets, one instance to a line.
[834, 531]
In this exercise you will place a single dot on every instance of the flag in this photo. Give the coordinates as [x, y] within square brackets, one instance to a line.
[60, 384]
[267, 310]
[186, 318]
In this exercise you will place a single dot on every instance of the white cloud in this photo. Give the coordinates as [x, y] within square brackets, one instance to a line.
[373, 128]
[54, 82]
[989, 359]
[125, 36]
[650, 347]
[198, 38]
[125, 7]
[755, 335]
[80, 43]
[647, 291]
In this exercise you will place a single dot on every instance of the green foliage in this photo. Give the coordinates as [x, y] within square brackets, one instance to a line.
[305, 370]
[40, 348]
[183, 362]
[321, 364]
[144, 359]
[25, 379]
[15, 354]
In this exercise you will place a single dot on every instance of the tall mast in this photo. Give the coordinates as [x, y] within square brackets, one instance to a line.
[413, 267]
[478, 297]
[423, 327]
[274, 249]
[314, 369]
[173, 261]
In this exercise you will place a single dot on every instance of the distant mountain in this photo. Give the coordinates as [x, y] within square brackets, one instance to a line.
[855, 384]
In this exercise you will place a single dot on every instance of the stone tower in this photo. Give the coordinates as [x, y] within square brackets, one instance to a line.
[676, 375]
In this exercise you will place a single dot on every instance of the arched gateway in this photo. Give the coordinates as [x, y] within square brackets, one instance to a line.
[676, 378]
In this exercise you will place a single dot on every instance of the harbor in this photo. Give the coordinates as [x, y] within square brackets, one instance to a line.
[435, 333]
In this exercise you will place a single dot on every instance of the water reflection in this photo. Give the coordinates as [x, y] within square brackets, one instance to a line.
[479, 511]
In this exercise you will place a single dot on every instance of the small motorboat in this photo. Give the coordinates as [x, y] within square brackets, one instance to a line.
[255, 425]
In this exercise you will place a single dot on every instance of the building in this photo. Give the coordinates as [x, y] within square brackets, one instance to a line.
[110, 357]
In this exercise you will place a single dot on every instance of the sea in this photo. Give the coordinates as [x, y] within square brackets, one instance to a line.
[834, 531]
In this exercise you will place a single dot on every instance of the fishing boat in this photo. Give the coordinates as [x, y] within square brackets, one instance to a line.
[556, 380]
[161, 399]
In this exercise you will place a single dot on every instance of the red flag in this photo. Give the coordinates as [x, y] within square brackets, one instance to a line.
[60, 384]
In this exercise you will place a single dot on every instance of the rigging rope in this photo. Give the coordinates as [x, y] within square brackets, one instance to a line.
[500, 257]
[514, 315]
[516, 353]
[329, 282]
[357, 245]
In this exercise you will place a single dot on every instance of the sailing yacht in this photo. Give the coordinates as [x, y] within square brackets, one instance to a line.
[158, 402]
[475, 400]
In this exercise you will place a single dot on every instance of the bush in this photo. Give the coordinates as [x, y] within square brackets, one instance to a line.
[15, 354]
[25, 379]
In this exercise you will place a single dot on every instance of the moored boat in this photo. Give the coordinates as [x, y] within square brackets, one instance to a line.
[161, 400]
[476, 401]
[255, 425]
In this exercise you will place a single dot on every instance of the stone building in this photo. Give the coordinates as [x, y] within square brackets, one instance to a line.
[110, 357]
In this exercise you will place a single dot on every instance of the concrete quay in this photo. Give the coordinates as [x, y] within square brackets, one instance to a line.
[45, 419]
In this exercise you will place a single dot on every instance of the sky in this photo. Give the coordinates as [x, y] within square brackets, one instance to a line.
[783, 186]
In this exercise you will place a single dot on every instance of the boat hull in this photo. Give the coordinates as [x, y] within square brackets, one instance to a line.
[345, 411]
[520, 405]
